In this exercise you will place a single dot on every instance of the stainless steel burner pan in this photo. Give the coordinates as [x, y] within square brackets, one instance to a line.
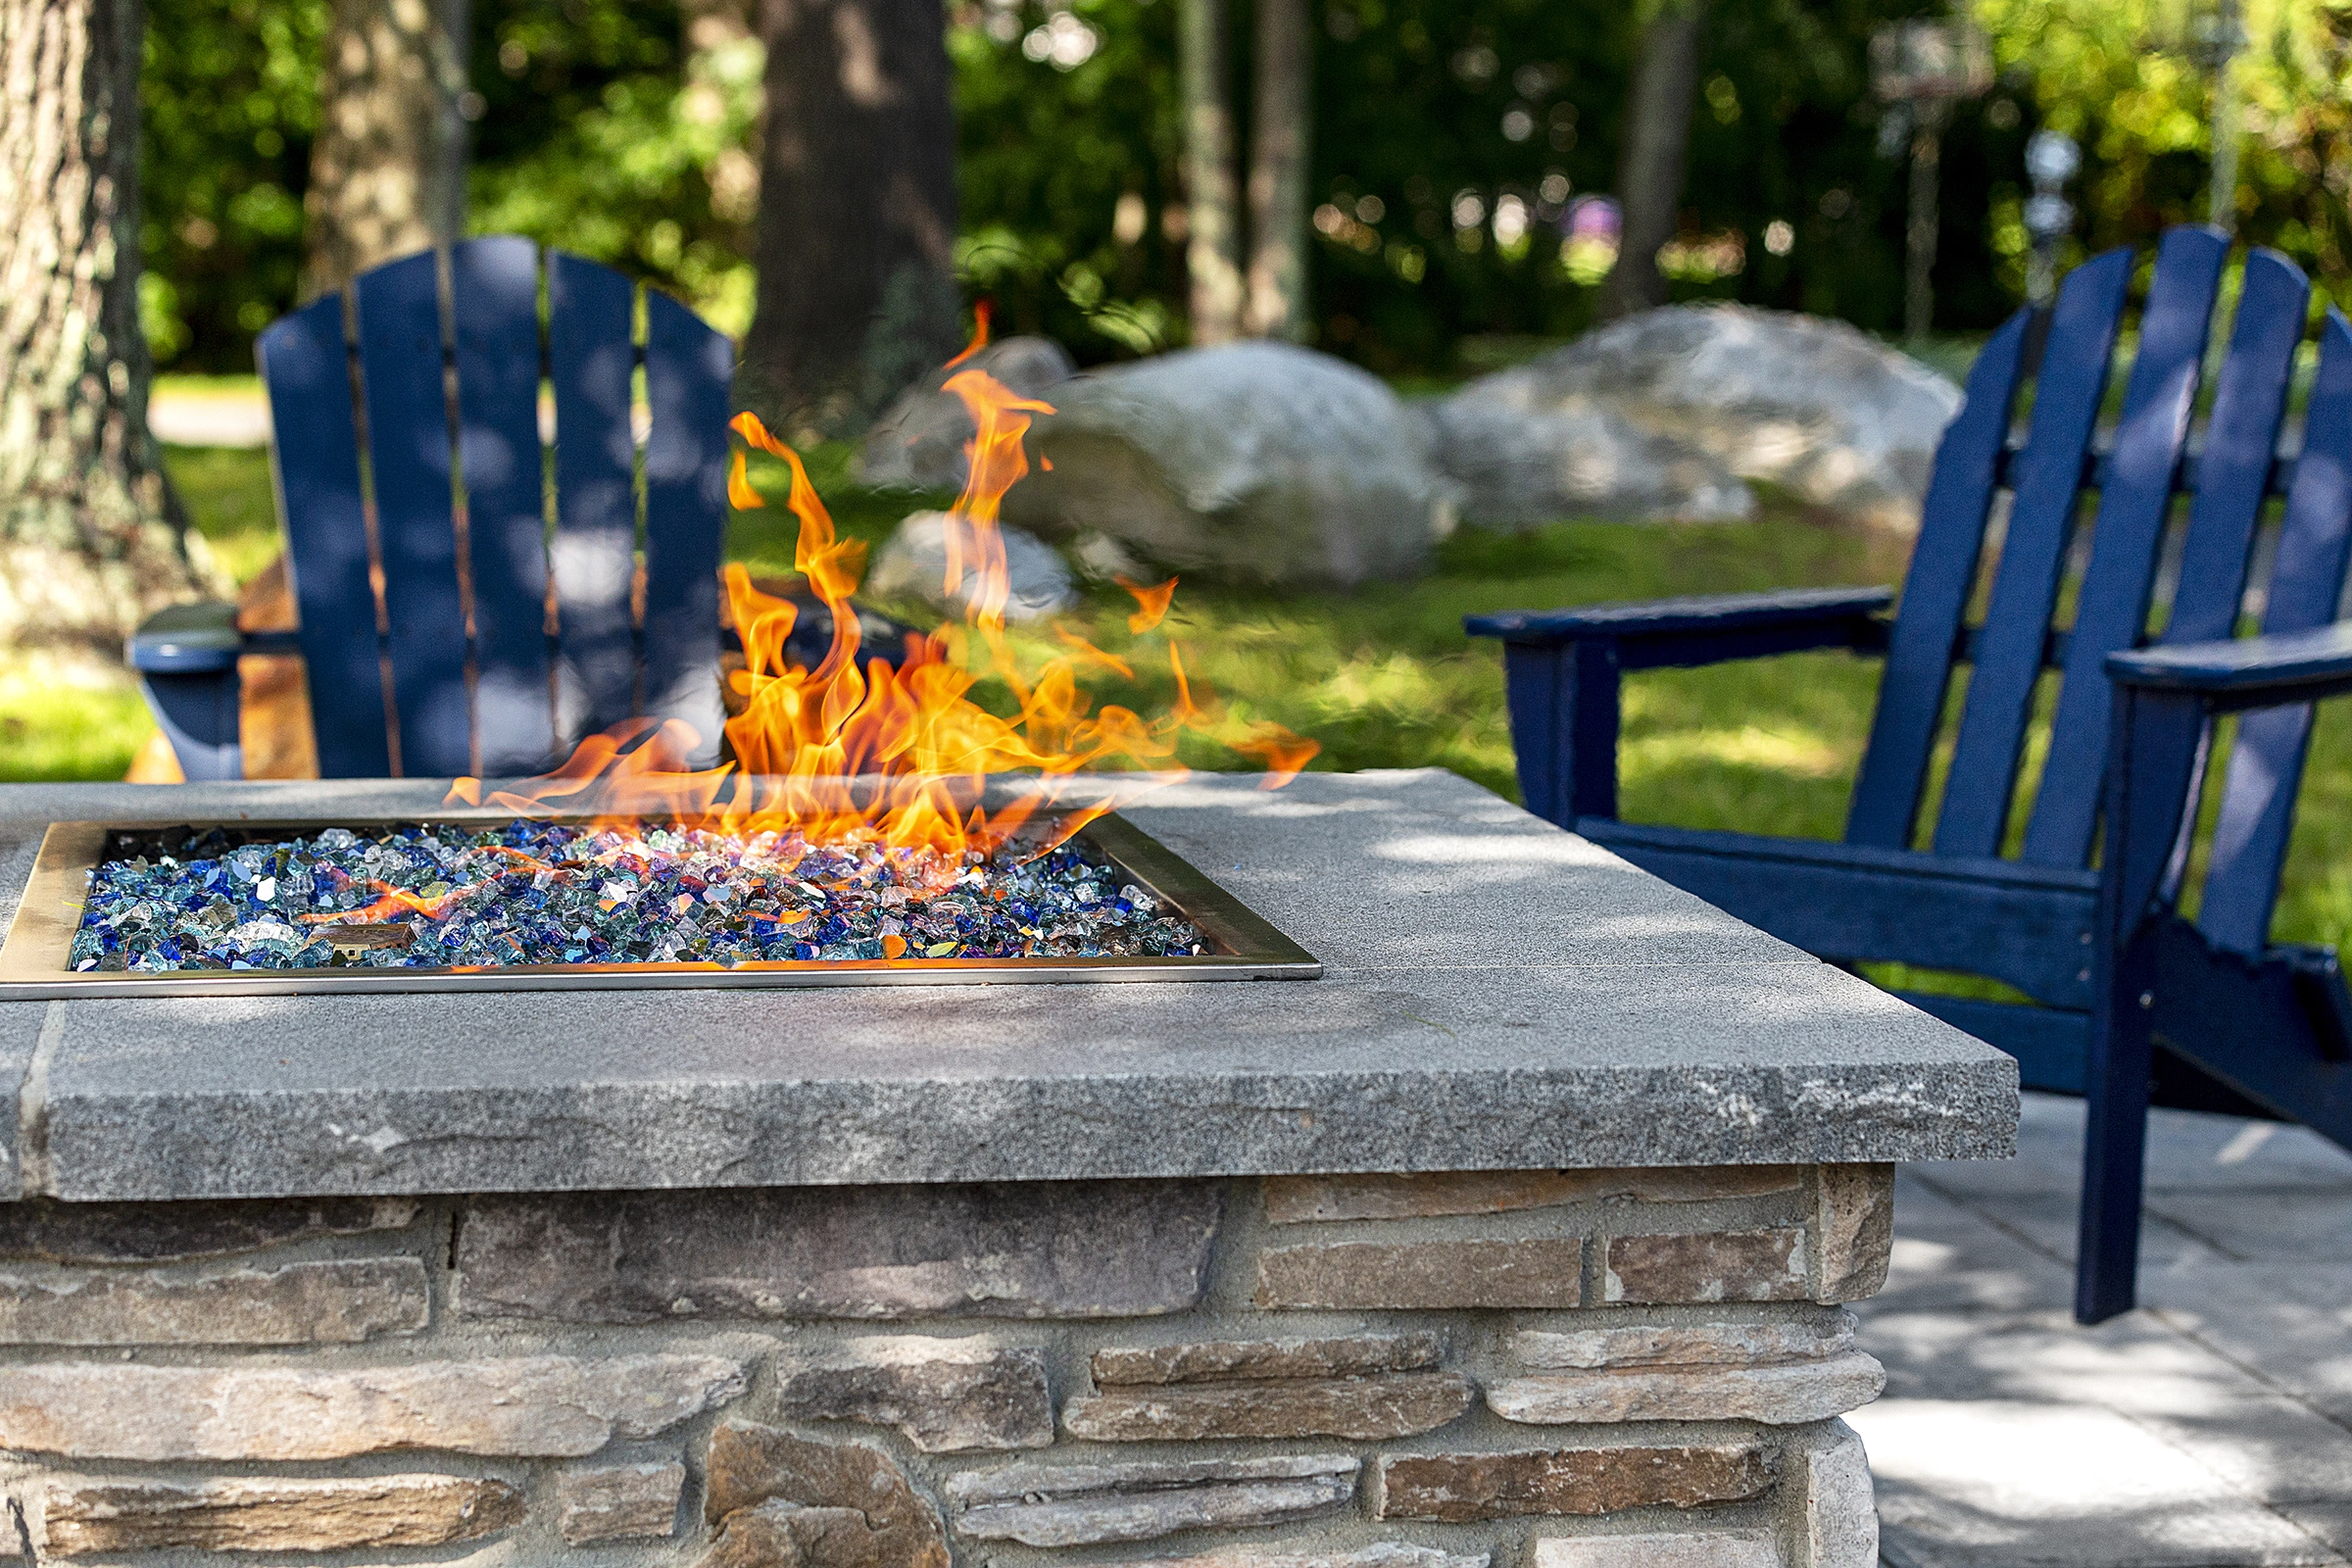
[32, 961]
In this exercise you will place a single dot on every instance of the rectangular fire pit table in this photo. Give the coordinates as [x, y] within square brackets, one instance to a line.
[1517, 1238]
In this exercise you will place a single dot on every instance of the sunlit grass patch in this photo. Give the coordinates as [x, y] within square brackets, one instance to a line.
[226, 490]
[60, 722]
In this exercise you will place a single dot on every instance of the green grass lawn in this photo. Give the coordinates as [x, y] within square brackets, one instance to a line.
[1382, 678]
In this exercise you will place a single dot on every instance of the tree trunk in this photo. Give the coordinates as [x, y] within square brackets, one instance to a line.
[1919, 225]
[1657, 140]
[858, 292]
[388, 168]
[91, 536]
[1278, 169]
[1213, 247]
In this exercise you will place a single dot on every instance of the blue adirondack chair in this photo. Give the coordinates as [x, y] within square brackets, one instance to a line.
[2130, 1002]
[498, 640]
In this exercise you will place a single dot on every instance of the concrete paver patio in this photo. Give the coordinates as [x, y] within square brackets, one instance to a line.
[2210, 1429]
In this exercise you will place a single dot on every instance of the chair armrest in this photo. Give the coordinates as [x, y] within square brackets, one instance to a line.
[186, 640]
[2243, 672]
[1704, 628]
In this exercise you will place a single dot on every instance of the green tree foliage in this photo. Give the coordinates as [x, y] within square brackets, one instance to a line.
[2123, 77]
[1452, 137]
[589, 136]
[229, 100]
[597, 137]
[1066, 165]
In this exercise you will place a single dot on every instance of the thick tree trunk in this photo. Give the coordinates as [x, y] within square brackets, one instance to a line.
[858, 292]
[1213, 247]
[1278, 169]
[1657, 141]
[91, 537]
[388, 168]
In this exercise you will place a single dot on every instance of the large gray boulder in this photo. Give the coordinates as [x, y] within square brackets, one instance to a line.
[919, 442]
[1260, 462]
[1658, 410]
[913, 563]
[1522, 460]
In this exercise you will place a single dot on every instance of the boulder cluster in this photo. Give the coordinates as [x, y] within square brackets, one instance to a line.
[1275, 465]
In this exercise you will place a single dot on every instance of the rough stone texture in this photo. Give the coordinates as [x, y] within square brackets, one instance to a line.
[1763, 1265]
[776, 1533]
[1458, 1487]
[1790, 1394]
[1072, 1505]
[944, 1395]
[1365, 1408]
[24, 1031]
[1382, 1555]
[527, 1405]
[619, 1502]
[857, 1253]
[1717, 1548]
[1264, 463]
[1838, 1518]
[1853, 1224]
[46, 1232]
[912, 565]
[1300, 1200]
[277, 1513]
[1665, 401]
[1221, 1360]
[1521, 464]
[1539, 1272]
[1640, 1027]
[776, 1499]
[919, 442]
[1683, 1344]
[300, 1303]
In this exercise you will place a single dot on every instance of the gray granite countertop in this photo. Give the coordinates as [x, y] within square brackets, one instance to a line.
[1497, 994]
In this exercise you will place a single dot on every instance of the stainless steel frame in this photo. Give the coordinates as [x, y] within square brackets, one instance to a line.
[32, 961]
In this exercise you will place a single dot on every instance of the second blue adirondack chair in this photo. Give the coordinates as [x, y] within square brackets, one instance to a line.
[468, 597]
[2129, 1000]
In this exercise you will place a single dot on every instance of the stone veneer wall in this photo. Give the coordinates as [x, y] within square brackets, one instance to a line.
[1570, 1369]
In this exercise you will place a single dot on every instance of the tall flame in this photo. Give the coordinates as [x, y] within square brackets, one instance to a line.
[871, 747]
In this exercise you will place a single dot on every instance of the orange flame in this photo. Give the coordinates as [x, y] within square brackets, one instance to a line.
[1153, 605]
[980, 318]
[888, 744]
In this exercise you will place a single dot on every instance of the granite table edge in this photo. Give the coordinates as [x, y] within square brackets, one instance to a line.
[88, 1125]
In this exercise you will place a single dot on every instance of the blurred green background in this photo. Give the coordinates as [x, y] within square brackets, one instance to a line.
[603, 132]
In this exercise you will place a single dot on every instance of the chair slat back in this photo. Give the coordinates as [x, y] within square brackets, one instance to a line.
[2072, 383]
[306, 364]
[1943, 570]
[2127, 537]
[2306, 588]
[2241, 445]
[686, 367]
[591, 361]
[455, 479]
[401, 349]
[495, 292]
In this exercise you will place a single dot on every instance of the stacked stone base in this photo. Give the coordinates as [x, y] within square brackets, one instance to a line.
[1536, 1369]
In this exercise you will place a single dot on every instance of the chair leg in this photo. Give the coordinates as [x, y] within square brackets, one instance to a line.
[2115, 1137]
[199, 714]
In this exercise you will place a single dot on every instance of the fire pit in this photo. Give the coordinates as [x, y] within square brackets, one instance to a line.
[477, 901]
[1517, 1239]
